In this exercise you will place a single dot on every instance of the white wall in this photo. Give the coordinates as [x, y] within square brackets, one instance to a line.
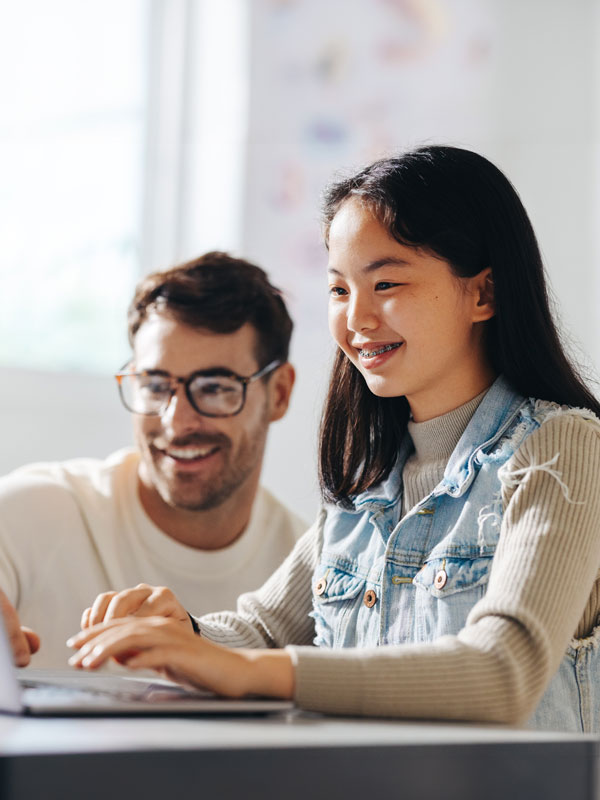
[334, 87]
[52, 415]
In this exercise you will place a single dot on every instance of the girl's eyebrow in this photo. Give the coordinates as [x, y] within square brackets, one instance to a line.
[390, 261]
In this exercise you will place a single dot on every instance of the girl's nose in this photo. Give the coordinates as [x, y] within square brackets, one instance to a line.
[362, 315]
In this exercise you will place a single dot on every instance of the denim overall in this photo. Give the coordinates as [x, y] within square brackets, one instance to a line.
[380, 581]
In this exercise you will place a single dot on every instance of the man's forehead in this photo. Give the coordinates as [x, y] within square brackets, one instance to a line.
[163, 338]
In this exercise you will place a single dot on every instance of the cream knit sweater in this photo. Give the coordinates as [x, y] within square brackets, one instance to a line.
[544, 589]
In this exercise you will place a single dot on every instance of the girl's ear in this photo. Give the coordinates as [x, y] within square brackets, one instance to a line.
[483, 290]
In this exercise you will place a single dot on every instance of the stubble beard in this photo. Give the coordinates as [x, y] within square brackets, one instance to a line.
[190, 492]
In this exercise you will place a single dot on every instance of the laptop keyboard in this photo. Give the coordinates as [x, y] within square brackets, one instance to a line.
[61, 691]
[55, 695]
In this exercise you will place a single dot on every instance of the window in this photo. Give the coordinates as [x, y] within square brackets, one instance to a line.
[122, 133]
[71, 154]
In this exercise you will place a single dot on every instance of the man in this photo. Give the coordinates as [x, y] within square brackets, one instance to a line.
[208, 374]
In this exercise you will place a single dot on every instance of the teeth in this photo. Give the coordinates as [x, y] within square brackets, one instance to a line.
[379, 351]
[187, 454]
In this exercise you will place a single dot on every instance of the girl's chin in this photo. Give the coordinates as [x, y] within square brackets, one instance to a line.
[382, 388]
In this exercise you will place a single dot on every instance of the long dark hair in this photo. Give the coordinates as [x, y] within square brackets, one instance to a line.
[459, 206]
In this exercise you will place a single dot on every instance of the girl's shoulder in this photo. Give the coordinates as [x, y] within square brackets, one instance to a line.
[538, 422]
[545, 411]
[559, 428]
[564, 447]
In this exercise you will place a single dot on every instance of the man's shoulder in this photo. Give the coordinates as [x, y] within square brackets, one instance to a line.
[55, 478]
[277, 516]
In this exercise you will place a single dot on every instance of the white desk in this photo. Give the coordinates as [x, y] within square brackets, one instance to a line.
[290, 756]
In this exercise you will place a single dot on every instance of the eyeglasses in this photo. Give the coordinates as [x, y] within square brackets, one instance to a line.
[212, 392]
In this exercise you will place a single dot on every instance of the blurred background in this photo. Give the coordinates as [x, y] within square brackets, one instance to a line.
[135, 134]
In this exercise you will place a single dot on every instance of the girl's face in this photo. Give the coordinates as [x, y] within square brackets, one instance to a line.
[409, 325]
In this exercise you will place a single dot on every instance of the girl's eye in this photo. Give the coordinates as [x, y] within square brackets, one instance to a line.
[337, 291]
[382, 285]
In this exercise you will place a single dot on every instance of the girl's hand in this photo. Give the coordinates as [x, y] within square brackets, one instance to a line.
[142, 600]
[179, 654]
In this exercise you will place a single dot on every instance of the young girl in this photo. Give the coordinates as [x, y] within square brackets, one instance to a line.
[453, 572]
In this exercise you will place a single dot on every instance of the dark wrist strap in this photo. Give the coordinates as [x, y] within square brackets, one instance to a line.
[194, 624]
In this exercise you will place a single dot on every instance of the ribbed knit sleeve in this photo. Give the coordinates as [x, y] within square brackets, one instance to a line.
[541, 585]
[278, 613]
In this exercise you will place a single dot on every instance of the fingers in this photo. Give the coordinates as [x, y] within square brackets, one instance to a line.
[19, 638]
[161, 602]
[142, 601]
[78, 639]
[95, 640]
[124, 638]
[20, 648]
[128, 602]
[110, 605]
[96, 613]
[85, 619]
[167, 647]
[33, 640]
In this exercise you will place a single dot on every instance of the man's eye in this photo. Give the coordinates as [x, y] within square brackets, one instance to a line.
[216, 388]
[154, 386]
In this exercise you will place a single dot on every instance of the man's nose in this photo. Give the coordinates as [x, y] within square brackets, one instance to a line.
[180, 415]
[362, 314]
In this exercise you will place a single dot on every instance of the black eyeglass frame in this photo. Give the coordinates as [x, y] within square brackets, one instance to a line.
[175, 380]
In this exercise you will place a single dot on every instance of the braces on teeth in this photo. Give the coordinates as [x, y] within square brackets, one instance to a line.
[384, 349]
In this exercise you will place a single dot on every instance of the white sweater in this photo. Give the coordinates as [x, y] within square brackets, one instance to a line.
[71, 530]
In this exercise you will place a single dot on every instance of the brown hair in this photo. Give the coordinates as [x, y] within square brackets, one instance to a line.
[221, 293]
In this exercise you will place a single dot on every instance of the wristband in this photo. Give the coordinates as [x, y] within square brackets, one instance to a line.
[195, 625]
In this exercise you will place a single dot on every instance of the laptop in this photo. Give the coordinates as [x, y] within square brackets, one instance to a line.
[71, 693]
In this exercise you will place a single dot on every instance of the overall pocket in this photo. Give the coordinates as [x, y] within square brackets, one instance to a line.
[447, 589]
[337, 597]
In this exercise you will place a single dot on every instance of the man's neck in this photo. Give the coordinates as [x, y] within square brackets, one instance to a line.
[213, 529]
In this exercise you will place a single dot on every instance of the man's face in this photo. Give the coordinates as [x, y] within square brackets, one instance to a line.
[191, 461]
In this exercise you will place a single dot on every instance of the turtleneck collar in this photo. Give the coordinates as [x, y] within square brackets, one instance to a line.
[435, 439]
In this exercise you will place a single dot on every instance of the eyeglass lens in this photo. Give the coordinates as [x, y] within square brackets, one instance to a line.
[216, 395]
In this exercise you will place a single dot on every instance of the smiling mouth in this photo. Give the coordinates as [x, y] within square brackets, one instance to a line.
[190, 453]
[378, 351]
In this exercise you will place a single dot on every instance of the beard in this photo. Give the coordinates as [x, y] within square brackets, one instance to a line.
[194, 493]
[229, 468]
